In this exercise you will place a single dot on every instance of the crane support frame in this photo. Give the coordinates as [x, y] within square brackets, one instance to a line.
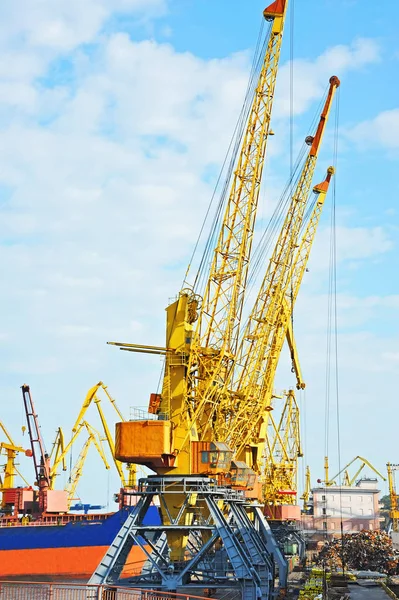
[230, 544]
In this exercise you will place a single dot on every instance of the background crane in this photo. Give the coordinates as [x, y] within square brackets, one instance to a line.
[58, 449]
[76, 473]
[393, 496]
[282, 442]
[47, 466]
[129, 480]
[307, 490]
[7, 482]
[282, 450]
[41, 459]
[347, 479]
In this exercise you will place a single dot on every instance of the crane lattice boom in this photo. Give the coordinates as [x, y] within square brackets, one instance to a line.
[214, 342]
[258, 355]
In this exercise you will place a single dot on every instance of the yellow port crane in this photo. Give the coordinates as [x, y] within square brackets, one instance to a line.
[266, 329]
[393, 496]
[347, 479]
[202, 333]
[282, 450]
[283, 330]
[11, 451]
[92, 396]
[307, 490]
[214, 343]
[211, 423]
[217, 387]
[60, 450]
[76, 473]
[57, 450]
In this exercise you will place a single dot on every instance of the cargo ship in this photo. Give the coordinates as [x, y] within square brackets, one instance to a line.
[69, 549]
[41, 537]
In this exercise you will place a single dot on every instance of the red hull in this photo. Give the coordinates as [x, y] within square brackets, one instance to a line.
[43, 564]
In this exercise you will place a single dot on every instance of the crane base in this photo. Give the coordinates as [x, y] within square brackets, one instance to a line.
[230, 544]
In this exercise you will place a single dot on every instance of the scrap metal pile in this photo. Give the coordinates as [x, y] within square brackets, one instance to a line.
[366, 550]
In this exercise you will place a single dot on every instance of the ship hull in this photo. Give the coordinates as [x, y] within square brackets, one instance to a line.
[65, 552]
[61, 564]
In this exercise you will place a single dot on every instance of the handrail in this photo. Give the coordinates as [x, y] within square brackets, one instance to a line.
[18, 588]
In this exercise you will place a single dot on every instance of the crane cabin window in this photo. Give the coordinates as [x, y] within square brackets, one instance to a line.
[215, 459]
[224, 459]
[204, 457]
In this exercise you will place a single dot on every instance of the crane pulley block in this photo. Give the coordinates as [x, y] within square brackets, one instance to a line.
[154, 404]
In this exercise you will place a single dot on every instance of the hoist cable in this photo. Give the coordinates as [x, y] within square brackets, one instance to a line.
[269, 234]
[332, 337]
[264, 244]
[335, 160]
[231, 151]
[291, 155]
[201, 277]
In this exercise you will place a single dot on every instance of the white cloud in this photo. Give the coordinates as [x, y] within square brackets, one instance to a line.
[353, 244]
[353, 312]
[391, 356]
[64, 24]
[311, 76]
[381, 131]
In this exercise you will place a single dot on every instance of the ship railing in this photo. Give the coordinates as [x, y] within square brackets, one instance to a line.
[14, 590]
[55, 521]
[138, 413]
[30, 524]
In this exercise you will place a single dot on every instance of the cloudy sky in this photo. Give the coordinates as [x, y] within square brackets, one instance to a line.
[115, 116]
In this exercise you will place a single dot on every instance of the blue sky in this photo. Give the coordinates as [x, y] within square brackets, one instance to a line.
[114, 119]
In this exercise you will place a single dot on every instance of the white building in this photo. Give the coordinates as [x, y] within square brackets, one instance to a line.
[356, 506]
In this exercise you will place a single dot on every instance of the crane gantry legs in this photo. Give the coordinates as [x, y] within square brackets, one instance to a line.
[229, 542]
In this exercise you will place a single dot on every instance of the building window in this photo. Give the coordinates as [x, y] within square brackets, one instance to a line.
[332, 498]
[332, 525]
[323, 497]
[371, 527]
[324, 524]
[324, 511]
[348, 498]
[361, 526]
[370, 512]
[360, 511]
[360, 498]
